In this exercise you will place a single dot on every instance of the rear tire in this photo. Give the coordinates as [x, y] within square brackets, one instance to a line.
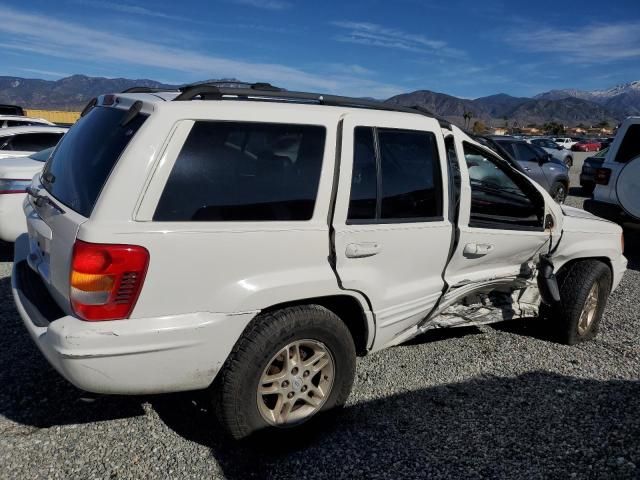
[584, 290]
[276, 354]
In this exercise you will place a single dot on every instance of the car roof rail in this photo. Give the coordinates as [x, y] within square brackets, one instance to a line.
[148, 90]
[266, 92]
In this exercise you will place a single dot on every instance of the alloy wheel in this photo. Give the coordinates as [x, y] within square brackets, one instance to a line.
[296, 383]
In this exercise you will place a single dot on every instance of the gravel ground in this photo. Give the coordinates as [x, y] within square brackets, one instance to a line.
[495, 401]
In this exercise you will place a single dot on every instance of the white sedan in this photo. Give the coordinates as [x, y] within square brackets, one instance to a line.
[23, 141]
[15, 176]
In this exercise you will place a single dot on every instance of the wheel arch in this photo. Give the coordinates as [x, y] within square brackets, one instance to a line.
[351, 310]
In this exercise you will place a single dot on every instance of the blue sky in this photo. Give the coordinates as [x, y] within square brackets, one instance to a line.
[366, 48]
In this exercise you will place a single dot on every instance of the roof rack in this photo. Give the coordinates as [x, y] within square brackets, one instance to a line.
[266, 92]
[148, 90]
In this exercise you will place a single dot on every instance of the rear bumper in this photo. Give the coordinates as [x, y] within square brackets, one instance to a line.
[610, 211]
[135, 356]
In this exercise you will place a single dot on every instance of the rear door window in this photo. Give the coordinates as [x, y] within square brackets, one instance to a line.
[84, 158]
[235, 171]
[396, 177]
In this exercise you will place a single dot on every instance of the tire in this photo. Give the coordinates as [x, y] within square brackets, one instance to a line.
[559, 192]
[577, 282]
[568, 161]
[243, 411]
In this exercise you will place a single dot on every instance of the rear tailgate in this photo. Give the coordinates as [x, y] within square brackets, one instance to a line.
[52, 232]
[63, 197]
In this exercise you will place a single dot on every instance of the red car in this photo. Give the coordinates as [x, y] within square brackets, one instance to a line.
[587, 146]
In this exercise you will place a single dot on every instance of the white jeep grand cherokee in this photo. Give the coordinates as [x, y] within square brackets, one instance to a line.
[254, 241]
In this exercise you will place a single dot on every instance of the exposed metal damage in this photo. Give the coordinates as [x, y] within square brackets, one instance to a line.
[489, 307]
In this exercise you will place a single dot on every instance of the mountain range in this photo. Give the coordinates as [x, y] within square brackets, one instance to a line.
[569, 107]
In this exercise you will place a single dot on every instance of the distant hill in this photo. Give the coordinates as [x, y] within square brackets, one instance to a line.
[569, 107]
[70, 93]
[495, 108]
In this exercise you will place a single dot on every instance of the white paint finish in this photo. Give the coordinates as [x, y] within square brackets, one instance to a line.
[148, 355]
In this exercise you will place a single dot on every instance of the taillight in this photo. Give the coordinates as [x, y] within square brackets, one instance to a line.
[602, 176]
[12, 185]
[106, 279]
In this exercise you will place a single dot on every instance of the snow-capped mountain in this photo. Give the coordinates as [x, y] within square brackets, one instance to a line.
[624, 98]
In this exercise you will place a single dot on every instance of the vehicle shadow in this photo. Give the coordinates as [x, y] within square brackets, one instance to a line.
[6, 252]
[632, 248]
[537, 425]
[578, 192]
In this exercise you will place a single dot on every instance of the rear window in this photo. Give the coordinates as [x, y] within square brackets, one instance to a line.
[234, 171]
[84, 158]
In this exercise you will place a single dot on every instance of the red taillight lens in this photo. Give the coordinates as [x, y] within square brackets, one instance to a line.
[602, 176]
[106, 279]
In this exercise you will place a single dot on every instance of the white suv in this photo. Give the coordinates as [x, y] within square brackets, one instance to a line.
[617, 193]
[254, 241]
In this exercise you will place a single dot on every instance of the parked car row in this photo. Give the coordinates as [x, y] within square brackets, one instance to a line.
[253, 242]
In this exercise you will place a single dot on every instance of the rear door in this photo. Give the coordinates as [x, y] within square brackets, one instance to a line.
[501, 220]
[66, 192]
[390, 228]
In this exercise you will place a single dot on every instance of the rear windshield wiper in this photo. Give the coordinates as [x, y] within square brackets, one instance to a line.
[41, 200]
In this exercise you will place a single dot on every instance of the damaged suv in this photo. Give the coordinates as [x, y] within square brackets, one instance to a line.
[254, 241]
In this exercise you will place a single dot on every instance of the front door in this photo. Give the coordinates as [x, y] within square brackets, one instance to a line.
[390, 229]
[501, 220]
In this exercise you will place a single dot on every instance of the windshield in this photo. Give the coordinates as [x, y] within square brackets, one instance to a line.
[84, 158]
[42, 155]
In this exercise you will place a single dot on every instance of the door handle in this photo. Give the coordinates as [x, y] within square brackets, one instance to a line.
[361, 250]
[477, 249]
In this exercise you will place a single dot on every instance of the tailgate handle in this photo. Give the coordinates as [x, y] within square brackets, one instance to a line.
[362, 250]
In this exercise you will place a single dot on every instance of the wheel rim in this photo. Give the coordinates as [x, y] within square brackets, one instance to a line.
[561, 195]
[589, 310]
[296, 383]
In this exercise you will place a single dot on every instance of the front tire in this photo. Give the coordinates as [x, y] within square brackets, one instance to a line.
[568, 161]
[584, 290]
[559, 192]
[289, 366]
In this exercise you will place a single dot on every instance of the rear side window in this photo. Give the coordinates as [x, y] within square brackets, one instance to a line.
[34, 142]
[84, 158]
[234, 171]
[396, 177]
[630, 146]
